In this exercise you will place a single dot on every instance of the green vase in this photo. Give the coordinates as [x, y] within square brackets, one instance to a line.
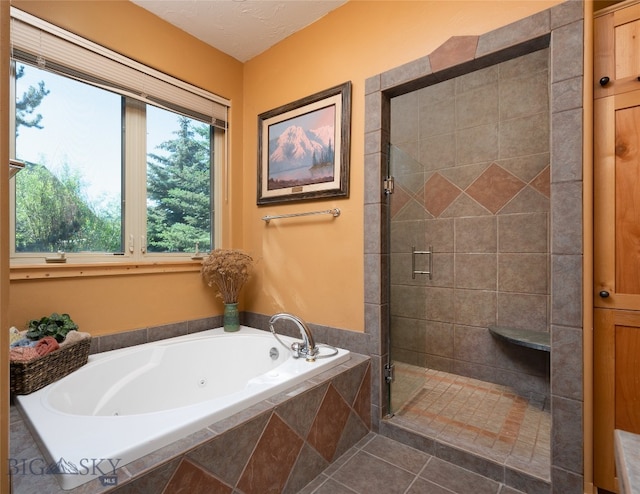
[231, 318]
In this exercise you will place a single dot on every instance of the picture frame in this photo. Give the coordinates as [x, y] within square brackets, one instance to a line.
[304, 148]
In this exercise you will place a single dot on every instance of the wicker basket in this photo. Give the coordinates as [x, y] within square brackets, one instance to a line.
[30, 376]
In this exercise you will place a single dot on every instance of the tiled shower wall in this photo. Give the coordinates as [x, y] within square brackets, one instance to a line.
[470, 159]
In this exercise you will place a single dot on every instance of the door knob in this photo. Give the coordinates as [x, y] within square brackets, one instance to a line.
[604, 81]
[604, 294]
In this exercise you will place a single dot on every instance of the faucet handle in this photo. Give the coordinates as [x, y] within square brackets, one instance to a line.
[296, 348]
[311, 353]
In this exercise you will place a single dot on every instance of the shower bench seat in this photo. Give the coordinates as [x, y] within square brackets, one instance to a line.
[538, 340]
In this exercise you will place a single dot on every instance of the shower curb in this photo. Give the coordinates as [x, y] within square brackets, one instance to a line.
[474, 462]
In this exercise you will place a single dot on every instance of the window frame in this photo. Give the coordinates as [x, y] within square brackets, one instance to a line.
[134, 145]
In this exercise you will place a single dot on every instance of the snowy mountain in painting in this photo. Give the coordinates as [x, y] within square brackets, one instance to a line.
[295, 148]
[324, 135]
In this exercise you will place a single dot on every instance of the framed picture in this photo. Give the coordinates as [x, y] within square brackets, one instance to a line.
[303, 148]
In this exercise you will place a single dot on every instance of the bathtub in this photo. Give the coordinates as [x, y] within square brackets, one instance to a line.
[126, 403]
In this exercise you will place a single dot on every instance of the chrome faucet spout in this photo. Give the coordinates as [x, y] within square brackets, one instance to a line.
[307, 348]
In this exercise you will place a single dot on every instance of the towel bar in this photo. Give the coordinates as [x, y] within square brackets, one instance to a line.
[335, 212]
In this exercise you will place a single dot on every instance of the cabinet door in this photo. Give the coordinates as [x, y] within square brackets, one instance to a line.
[617, 201]
[617, 51]
[616, 386]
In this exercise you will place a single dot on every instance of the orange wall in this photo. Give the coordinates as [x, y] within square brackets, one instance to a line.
[312, 268]
[109, 304]
[315, 268]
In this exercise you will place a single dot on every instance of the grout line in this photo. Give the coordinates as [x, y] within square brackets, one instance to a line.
[346, 486]
[324, 481]
[389, 462]
[418, 474]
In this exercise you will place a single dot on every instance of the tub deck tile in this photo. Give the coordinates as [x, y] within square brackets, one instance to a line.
[226, 455]
[170, 452]
[241, 417]
[197, 480]
[298, 412]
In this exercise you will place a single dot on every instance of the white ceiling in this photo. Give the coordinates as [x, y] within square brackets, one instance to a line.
[240, 28]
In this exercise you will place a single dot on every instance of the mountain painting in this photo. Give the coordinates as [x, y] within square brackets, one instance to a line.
[302, 150]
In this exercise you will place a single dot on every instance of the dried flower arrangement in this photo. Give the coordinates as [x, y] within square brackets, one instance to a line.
[228, 270]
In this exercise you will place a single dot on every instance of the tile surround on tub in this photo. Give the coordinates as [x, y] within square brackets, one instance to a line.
[286, 440]
[351, 340]
[125, 339]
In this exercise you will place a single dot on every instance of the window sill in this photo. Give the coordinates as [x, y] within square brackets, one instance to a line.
[52, 271]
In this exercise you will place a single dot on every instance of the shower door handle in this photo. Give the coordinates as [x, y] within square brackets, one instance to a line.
[414, 253]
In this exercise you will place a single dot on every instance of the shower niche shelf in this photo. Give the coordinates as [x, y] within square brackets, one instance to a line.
[538, 340]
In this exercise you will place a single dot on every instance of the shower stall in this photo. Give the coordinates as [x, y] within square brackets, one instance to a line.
[469, 251]
[473, 243]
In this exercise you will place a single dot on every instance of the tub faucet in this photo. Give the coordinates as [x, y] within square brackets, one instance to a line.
[307, 348]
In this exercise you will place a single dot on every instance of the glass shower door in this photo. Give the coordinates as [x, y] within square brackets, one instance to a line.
[410, 270]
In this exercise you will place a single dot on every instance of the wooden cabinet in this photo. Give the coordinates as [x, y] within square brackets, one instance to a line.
[616, 49]
[616, 232]
[616, 386]
[617, 201]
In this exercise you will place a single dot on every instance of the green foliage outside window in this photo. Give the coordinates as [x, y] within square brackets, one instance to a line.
[52, 214]
[179, 191]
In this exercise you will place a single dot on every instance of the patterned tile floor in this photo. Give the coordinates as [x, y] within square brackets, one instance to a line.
[484, 418]
[379, 464]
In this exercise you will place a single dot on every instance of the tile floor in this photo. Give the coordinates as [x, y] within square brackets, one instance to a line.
[486, 419]
[379, 464]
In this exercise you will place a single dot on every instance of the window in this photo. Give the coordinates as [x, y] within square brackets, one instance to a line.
[120, 160]
[69, 195]
[178, 182]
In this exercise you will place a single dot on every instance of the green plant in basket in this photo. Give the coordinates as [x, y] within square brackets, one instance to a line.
[56, 325]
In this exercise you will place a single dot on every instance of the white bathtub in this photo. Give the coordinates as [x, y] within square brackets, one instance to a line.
[127, 403]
